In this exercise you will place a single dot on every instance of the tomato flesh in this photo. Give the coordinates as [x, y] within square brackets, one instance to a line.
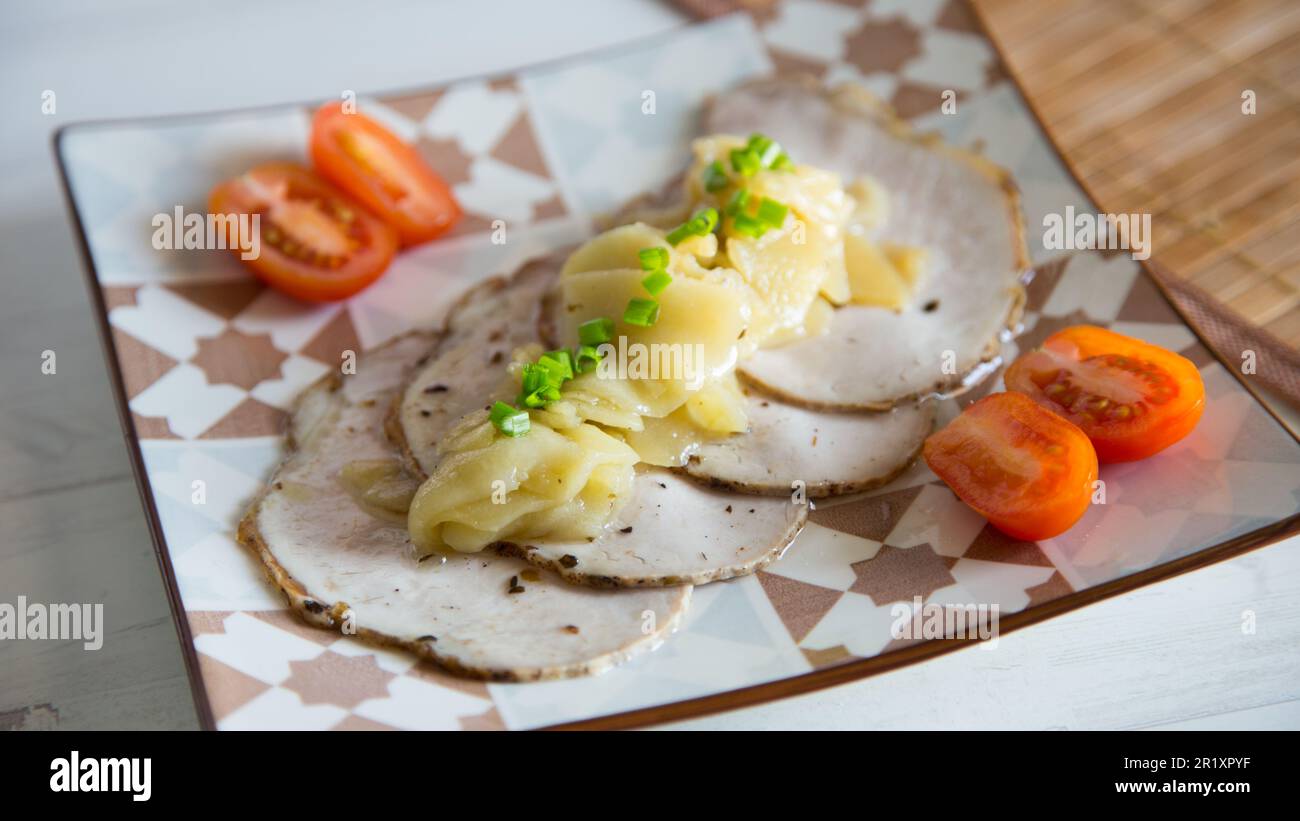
[384, 173]
[1025, 469]
[1131, 398]
[316, 243]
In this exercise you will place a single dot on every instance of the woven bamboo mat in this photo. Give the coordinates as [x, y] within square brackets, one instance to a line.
[1149, 100]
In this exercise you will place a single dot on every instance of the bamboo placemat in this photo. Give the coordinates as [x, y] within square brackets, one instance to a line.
[1150, 101]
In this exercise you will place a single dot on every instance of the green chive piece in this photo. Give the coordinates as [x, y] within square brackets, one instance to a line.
[641, 312]
[530, 378]
[715, 177]
[703, 222]
[743, 223]
[760, 152]
[509, 420]
[540, 381]
[653, 259]
[765, 148]
[595, 331]
[539, 397]
[558, 366]
[656, 282]
[563, 355]
[745, 161]
[533, 378]
[767, 151]
[772, 213]
[737, 202]
[532, 400]
[680, 233]
[586, 358]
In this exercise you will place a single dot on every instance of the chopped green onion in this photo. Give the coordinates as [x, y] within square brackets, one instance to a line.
[540, 381]
[760, 152]
[532, 378]
[680, 233]
[656, 282]
[541, 397]
[737, 202]
[509, 420]
[705, 221]
[700, 224]
[745, 162]
[743, 223]
[769, 214]
[641, 312]
[765, 148]
[532, 400]
[595, 331]
[715, 177]
[653, 259]
[586, 357]
[537, 376]
[772, 213]
[558, 364]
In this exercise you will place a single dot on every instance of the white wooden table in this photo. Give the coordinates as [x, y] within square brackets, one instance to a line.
[71, 526]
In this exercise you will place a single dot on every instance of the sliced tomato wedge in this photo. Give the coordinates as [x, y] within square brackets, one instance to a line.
[384, 173]
[316, 243]
[1133, 399]
[1025, 469]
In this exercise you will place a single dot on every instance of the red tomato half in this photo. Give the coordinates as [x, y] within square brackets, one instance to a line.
[383, 173]
[316, 243]
[1025, 469]
[1131, 398]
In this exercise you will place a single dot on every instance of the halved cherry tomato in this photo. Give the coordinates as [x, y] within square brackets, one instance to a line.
[1025, 469]
[385, 174]
[1133, 399]
[316, 243]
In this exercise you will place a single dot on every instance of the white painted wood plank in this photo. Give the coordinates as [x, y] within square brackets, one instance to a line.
[1169, 653]
[89, 545]
[1284, 715]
